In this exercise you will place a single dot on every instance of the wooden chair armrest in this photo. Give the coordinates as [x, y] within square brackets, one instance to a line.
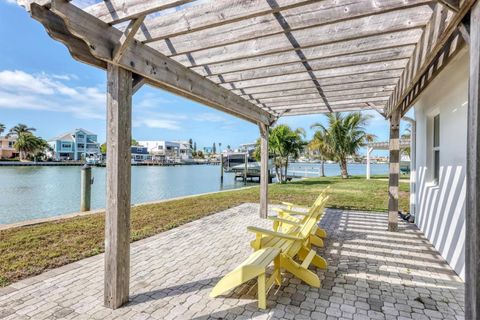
[295, 212]
[280, 220]
[295, 205]
[272, 233]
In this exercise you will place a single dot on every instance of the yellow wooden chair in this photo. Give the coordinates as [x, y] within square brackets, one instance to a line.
[298, 216]
[293, 245]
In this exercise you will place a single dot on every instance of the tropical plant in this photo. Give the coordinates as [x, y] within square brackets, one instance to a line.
[19, 129]
[27, 144]
[283, 144]
[344, 135]
[319, 145]
[2, 128]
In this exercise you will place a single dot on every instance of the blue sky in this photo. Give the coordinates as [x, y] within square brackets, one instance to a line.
[43, 87]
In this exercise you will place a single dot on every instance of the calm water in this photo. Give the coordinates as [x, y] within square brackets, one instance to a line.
[40, 192]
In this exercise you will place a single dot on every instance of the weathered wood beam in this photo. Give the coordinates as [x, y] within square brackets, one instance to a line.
[117, 214]
[288, 88]
[443, 57]
[264, 171]
[312, 97]
[337, 80]
[438, 32]
[309, 111]
[393, 181]
[308, 16]
[155, 67]
[308, 92]
[127, 38]
[403, 20]
[115, 11]
[319, 69]
[318, 103]
[318, 73]
[453, 5]
[333, 52]
[472, 201]
[56, 28]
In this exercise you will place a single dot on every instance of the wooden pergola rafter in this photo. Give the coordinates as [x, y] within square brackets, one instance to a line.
[257, 60]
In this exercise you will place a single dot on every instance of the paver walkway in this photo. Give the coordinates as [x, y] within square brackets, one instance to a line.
[372, 274]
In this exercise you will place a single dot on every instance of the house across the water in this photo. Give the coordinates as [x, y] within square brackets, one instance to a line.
[77, 144]
[7, 147]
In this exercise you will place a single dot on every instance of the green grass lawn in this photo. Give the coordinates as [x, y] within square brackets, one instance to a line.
[27, 251]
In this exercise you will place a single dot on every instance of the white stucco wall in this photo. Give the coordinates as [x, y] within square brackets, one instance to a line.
[440, 207]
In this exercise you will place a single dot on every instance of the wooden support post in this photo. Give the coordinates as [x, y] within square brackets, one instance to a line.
[394, 171]
[472, 220]
[221, 168]
[264, 172]
[85, 188]
[117, 224]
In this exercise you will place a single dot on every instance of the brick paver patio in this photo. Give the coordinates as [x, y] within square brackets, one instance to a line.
[372, 274]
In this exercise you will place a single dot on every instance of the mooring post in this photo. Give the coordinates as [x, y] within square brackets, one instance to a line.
[246, 168]
[221, 168]
[86, 188]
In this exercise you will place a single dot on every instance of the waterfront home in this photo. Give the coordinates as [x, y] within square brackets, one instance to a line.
[75, 145]
[7, 147]
[140, 154]
[168, 150]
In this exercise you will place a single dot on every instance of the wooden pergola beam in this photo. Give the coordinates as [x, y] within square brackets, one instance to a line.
[155, 67]
[127, 38]
[319, 70]
[116, 11]
[264, 171]
[324, 76]
[433, 40]
[331, 52]
[280, 23]
[299, 93]
[394, 169]
[404, 20]
[292, 86]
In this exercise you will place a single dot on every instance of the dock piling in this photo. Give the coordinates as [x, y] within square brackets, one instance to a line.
[86, 188]
[221, 168]
[246, 168]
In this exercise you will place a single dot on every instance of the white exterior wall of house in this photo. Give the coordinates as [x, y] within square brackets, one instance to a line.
[440, 212]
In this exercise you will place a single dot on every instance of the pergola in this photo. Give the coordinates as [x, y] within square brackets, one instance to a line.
[263, 59]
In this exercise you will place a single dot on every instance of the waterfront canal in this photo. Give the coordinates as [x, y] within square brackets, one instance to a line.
[40, 192]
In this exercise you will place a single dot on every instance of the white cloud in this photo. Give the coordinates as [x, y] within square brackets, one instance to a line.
[22, 90]
[210, 117]
[10, 1]
[158, 124]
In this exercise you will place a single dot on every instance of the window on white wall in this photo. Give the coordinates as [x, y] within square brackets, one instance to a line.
[436, 148]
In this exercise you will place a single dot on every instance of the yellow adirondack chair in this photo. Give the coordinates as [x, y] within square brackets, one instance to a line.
[253, 267]
[294, 244]
[287, 223]
[297, 216]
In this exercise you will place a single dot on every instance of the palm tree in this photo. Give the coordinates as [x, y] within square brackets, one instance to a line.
[344, 134]
[320, 145]
[2, 128]
[285, 143]
[28, 144]
[19, 129]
